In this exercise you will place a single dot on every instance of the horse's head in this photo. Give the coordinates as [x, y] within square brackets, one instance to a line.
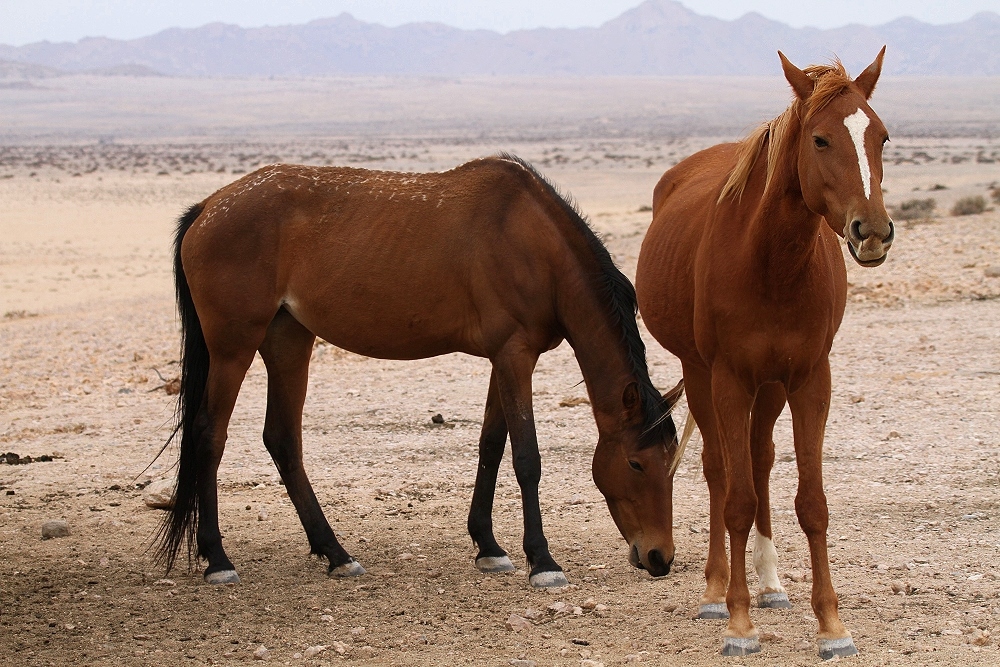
[840, 155]
[634, 469]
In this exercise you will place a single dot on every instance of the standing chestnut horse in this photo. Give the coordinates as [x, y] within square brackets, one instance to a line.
[742, 277]
[486, 259]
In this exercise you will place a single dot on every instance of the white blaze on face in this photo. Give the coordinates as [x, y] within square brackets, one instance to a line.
[856, 124]
[765, 561]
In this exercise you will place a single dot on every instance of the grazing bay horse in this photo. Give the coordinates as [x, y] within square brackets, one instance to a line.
[741, 275]
[486, 259]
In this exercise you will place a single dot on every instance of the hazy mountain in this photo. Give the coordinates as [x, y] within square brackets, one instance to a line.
[658, 37]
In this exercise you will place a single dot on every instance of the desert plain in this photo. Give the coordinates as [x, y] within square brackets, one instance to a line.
[95, 170]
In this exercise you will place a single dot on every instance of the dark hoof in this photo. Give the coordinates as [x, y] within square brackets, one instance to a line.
[773, 601]
[734, 646]
[831, 648]
[351, 568]
[713, 611]
[549, 579]
[222, 577]
[494, 564]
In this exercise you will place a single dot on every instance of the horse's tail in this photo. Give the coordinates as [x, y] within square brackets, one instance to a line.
[180, 522]
[689, 425]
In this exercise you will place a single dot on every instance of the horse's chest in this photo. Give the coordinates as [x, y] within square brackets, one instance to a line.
[770, 343]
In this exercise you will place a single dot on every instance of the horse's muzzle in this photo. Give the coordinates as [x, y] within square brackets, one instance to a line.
[655, 564]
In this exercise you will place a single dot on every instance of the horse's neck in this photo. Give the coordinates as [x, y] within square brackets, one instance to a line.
[783, 233]
[600, 351]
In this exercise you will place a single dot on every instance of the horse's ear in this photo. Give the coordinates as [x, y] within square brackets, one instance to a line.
[866, 80]
[800, 82]
[632, 403]
[671, 397]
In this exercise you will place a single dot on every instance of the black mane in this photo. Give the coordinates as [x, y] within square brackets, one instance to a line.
[619, 295]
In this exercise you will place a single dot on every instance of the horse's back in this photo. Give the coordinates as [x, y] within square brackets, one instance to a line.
[665, 276]
[386, 264]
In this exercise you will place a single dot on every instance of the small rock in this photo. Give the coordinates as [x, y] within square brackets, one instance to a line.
[357, 632]
[669, 607]
[313, 651]
[517, 623]
[339, 647]
[296, 656]
[57, 528]
[405, 556]
[591, 663]
[159, 495]
[601, 608]
[261, 653]
[893, 435]
[803, 645]
[262, 514]
[901, 587]
[578, 499]
[326, 618]
[771, 637]
[366, 651]
[532, 614]
[437, 419]
[578, 611]
[864, 599]
[169, 583]
[589, 604]
[795, 575]
[857, 398]
[580, 642]
[559, 609]
[992, 272]
[518, 662]
[979, 637]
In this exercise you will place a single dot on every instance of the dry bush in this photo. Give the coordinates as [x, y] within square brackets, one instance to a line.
[995, 193]
[969, 205]
[915, 209]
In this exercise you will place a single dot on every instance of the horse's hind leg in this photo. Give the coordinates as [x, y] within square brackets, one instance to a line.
[229, 364]
[513, 368]
[286, 351]
[767, 407]
[491, 557]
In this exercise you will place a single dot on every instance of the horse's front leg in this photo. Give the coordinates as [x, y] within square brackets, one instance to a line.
[810, 405]
[513, 368]
[767, 406]
[732, 403]
[491, 557]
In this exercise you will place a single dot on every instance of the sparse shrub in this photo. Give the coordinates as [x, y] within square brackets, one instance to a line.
[969, 205]
[995, 193]
[915, 209]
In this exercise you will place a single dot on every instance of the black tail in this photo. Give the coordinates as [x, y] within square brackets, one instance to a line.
[180, 523]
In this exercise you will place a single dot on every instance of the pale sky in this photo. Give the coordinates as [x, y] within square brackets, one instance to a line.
[25, 21]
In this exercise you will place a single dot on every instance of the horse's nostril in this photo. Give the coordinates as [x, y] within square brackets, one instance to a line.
[856, 230]
[657, 564]
[892, 234]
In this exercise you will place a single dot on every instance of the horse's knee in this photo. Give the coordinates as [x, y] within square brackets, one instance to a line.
[812, 512]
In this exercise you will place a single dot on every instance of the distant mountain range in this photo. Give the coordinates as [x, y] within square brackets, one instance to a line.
[658, 37]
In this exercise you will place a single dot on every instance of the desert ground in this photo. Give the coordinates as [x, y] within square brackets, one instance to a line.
[89, 339]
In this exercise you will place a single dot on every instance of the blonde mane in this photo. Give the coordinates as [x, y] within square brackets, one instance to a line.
[830, 81]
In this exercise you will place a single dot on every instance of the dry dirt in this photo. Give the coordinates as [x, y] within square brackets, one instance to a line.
[88, 327]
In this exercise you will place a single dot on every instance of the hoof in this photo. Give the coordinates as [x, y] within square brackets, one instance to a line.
[548, 580]
[773, 601]
[713, 611]
[351, 568]
[222, 577]
[494, 564]
[832, 648]
[732, 646]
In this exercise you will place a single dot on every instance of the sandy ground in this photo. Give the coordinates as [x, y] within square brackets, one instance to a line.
[87, 323]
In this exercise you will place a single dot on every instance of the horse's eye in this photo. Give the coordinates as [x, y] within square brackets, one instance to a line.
[820, 142]
[635, 465]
